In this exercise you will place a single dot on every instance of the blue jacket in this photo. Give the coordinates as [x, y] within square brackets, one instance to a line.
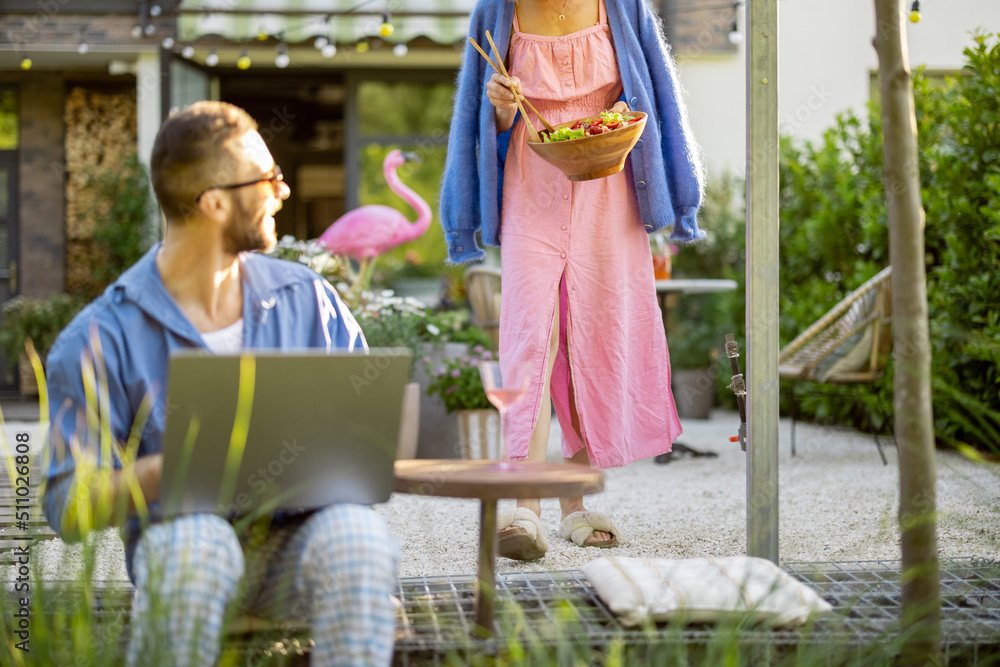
[666, 165]
[138, 324]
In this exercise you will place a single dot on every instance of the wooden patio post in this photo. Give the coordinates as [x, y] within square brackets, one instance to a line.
[914, 423]
[762, 279]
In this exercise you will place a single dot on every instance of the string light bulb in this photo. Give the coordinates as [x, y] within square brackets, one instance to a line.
[362, 47]
[261, 35]
[915, 12]
[329, 51]
[400, 50]
[282, 60]
[735, 36]
[82, 48]
[25, 63]
[212, 59]
[387, 28]
[243, 62]
[320, 42]
[188, 51]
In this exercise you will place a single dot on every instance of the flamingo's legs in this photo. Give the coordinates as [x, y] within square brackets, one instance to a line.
[367, 280]
[362, 280]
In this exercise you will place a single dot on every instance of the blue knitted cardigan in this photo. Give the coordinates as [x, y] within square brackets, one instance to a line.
[665, 164]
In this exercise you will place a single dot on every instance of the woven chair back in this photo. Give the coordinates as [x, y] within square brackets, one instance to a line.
[482, 286]
[850, 343]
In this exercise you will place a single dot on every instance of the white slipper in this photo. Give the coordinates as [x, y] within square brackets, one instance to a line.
[521, 535]
[579, 526]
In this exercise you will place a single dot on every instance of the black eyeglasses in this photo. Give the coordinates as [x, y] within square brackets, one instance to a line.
[276, 178]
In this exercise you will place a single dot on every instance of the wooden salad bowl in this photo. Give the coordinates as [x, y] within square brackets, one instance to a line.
[592, 156]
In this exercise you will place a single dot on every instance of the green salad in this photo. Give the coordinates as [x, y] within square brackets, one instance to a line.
[604, 122]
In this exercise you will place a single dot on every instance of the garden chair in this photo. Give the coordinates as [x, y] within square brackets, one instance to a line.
[482, 286]
[848, 345]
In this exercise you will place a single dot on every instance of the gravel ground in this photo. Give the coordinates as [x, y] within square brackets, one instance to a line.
[837, 502]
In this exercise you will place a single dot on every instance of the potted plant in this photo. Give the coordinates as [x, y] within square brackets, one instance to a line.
[39, 320]
[391, 321]
[694, 341]
[698, 323]
[447, 334]
[458, 385]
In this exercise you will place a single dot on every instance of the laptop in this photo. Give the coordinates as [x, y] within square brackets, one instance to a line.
[271, 430]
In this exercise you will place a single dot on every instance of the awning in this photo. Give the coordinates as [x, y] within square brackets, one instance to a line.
[340, 21]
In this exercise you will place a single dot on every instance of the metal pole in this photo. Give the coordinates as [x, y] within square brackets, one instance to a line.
[149, 115]
[352, 144]
[762, 279]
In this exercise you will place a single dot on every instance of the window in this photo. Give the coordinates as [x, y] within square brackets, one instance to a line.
[8, 120]
[701, 27]
[938, 78]
[412, 117]
[396, 108]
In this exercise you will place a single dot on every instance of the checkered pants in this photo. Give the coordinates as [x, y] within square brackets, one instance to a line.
[335, 568]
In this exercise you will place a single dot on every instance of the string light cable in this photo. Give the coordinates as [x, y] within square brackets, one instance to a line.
[282, 60]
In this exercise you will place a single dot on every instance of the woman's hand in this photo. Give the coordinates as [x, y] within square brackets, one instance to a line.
[501, 91]
[620, 107]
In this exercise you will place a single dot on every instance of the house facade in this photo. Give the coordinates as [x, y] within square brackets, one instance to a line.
[85, 82]
[826, 65]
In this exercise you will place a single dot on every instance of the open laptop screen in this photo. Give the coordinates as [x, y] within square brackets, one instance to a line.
[281, 430]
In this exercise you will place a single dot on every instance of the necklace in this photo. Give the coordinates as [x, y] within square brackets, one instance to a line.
[562, 15]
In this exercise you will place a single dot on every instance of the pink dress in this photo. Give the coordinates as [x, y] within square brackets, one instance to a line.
[581, 247]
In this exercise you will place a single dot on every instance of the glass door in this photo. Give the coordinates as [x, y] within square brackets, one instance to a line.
[8, 214]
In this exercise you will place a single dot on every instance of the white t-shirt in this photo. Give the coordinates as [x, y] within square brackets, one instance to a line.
[228, 340]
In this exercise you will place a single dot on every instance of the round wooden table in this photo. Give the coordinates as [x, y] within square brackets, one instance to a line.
[689, 286]
[489, 481]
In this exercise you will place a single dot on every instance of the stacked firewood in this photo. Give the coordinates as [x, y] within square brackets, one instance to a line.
[100, 137]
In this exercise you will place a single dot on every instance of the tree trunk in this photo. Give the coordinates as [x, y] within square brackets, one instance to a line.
[914, 424]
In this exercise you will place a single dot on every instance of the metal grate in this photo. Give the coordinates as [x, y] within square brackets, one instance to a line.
[868, 594]
[436, 613]
[560, 609]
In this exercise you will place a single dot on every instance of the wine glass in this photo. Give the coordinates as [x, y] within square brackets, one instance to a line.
[504, 391]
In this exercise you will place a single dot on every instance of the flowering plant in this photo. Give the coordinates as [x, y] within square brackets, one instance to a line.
[453, 326]
[391, 321]
[332, 267]
[457, 382]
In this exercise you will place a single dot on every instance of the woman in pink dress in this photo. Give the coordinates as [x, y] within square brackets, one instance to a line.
[578, 301]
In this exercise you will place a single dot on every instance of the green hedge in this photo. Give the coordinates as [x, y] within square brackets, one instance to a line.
[834, 236]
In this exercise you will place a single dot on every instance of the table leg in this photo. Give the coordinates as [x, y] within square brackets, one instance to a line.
[486, 583]
[664, 312]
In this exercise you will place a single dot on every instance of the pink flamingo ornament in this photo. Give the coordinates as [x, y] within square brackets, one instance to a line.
[369, 231]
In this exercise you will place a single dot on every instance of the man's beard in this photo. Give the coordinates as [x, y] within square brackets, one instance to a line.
[245, 231]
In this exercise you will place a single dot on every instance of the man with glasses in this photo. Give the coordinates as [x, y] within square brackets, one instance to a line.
[204, 287]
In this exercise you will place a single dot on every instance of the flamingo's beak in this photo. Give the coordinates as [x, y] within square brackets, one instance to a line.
[411, 157]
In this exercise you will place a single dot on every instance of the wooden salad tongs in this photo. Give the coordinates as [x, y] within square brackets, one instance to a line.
[502, 70]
